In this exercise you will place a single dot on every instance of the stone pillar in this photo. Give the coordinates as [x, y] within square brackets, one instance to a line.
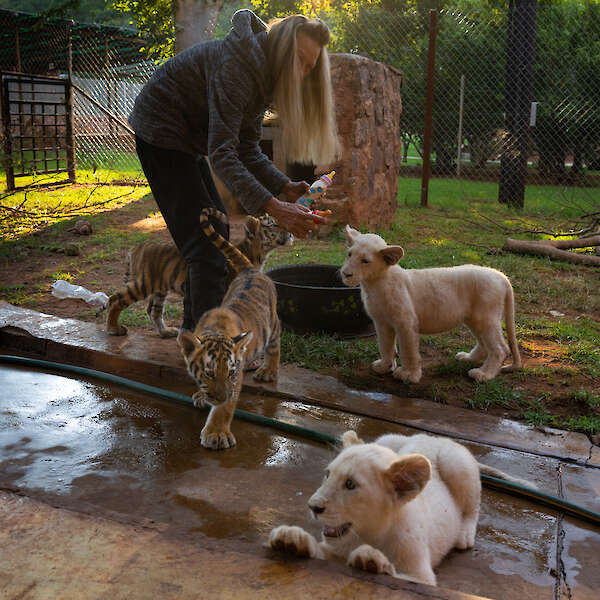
[368, 108]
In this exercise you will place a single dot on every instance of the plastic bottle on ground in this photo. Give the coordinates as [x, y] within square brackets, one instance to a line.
[64, 289]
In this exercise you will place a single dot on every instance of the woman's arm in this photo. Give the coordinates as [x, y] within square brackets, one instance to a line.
[232, 98]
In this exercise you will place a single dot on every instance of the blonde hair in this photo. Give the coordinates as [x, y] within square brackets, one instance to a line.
[304, 106]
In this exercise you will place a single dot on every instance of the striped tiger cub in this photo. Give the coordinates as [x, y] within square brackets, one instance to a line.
[228, 337]
[156, 268]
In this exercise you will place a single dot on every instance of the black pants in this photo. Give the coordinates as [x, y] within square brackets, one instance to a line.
[182, 186]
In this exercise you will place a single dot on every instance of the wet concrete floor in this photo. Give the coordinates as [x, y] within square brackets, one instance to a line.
[126, 466]
[115, 451]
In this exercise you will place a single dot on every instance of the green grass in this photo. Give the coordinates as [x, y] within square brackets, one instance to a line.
[319, 351]
[540, 200]
[15, 294]
[61, 275]
[98, 165]
[59, 207]
[589, 424]
[493, 393]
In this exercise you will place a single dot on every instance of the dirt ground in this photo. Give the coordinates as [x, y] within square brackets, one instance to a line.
[27, 277]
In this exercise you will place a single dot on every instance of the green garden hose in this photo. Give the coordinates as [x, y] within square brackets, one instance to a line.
[303, 432]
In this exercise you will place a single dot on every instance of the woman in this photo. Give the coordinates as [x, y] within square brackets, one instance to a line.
[210, 100]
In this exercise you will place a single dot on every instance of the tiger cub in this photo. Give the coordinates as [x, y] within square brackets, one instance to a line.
[229, 336]
[156, 268]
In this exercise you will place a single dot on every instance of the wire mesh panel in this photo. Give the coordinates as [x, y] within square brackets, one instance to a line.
[107, 71]
[477, 104]
[35, 125]
[474, 97]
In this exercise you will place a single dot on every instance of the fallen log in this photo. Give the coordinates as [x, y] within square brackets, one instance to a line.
[574, 243]
[541, 248]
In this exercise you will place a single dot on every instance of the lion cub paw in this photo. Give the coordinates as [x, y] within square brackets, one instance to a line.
[407, 375]
[217, 440]
[294, 540]
[265, 374]
[381, 367]
[370, 559]
[480, 375]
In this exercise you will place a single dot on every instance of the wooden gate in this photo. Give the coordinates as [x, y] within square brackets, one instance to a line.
[37, 126]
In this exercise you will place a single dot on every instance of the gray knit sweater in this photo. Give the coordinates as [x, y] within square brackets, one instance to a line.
[210, 99]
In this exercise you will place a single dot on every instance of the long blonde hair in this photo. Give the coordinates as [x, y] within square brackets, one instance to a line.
[304, 106]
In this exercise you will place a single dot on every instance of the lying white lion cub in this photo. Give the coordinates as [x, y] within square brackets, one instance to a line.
[396, 506]
[404, 303]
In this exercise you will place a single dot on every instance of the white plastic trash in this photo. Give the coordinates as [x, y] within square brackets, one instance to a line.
[64, 289]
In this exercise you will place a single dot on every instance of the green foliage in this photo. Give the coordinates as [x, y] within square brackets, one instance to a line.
[84, 11]
[155, 21]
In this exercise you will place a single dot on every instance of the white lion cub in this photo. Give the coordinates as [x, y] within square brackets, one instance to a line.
[396, 506]
[404, 303]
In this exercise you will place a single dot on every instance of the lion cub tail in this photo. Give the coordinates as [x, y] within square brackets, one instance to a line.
[492, 472]
[509, 320]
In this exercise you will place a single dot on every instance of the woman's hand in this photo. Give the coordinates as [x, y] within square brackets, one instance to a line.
[295, 218]
[295, 189]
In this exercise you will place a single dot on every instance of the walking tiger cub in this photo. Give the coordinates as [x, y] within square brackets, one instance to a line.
[228, 337]
[156, 268]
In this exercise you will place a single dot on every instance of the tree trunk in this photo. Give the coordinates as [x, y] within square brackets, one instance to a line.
[195, 21]
[520, 58]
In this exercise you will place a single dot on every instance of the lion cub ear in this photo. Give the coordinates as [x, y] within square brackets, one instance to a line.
[391, 254]
[409, 474]
[350, 439]
[351, 234]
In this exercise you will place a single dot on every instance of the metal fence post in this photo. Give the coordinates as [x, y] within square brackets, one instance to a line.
[17, 49]
[429, 107]
[7, 143]
[69, 108]
[461, 105]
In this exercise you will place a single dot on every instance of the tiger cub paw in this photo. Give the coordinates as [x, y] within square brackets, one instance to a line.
[168, 332]
[199, 399]
[294, 540]
[116, 330]
[217, 440]
[370, 559]
[265, 374]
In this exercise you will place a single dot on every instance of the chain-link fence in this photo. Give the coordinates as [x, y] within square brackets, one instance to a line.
[107, 71]
[516, 94]
[500, 107]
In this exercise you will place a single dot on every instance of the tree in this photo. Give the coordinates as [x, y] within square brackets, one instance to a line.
[170, 26]
[195, 21]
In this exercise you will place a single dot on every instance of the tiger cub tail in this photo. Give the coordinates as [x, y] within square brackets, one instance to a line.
[238, 260]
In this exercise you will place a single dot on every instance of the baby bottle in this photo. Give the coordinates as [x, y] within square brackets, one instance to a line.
[316, 189]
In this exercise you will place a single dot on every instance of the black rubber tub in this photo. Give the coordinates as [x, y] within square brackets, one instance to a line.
[312, 298]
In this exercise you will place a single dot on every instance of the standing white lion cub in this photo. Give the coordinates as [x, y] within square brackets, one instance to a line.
[404, 303]
[396, 506]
